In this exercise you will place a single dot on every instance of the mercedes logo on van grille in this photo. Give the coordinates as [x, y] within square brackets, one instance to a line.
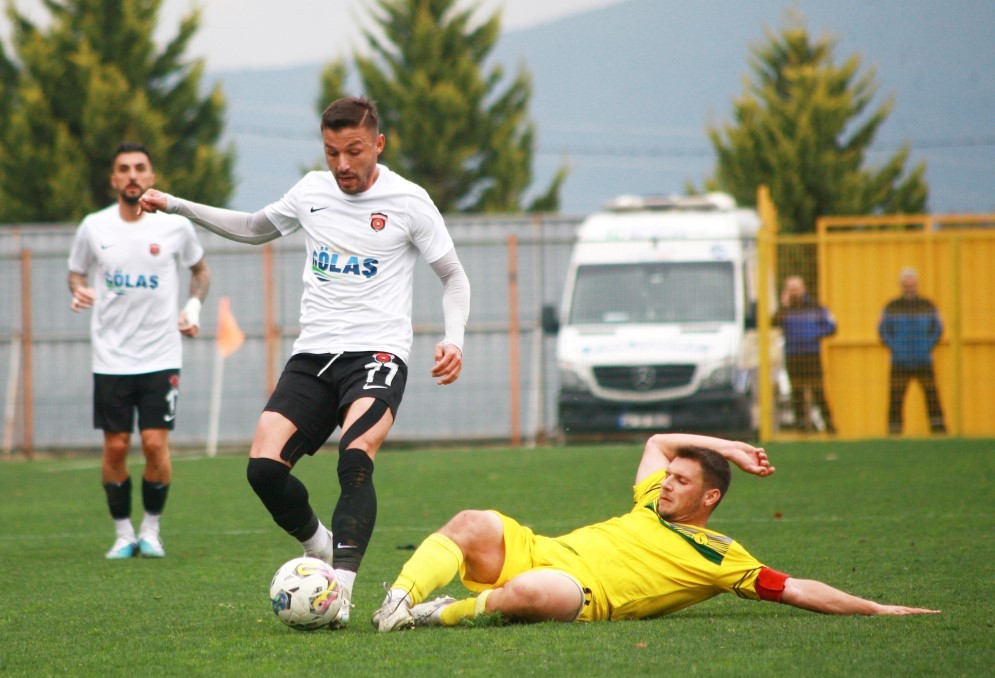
[643, 377]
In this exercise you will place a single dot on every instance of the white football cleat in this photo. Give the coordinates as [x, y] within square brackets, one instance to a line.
[150, 546]
[430, 613]
[395, 613]
[122, 549]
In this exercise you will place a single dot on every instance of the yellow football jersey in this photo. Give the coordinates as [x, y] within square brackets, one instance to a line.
[647, 567]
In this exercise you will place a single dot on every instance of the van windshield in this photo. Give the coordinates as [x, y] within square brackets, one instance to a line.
[654, 292]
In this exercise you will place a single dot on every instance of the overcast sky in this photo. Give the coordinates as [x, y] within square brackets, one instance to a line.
[267, 33]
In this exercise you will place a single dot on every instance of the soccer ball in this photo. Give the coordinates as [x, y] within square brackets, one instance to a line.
[305, 594]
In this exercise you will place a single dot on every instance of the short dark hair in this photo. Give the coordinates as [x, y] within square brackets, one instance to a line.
[714, 467]
[351, 112]
[131, 147]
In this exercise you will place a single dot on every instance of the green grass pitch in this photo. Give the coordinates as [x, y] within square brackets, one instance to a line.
[909, 522]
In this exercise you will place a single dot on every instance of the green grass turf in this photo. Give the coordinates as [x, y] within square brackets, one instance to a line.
[897, 521]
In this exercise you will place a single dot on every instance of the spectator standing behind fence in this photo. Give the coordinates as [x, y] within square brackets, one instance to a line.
[804, 324]
[911, 327]
[135, 331]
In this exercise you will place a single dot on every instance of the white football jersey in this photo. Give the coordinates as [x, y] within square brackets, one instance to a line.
[135, 269]
[361, 254]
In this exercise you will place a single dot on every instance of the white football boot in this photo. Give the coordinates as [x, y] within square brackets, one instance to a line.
[123, 548]
[150, 546]
[395, 613]
[429, 613]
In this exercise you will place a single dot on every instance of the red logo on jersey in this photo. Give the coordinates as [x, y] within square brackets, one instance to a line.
[154, 249]
[383, 357]
[378, 220]
[174, 380]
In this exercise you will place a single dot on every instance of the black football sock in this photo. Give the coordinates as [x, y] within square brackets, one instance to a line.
[154, 496]
[356, 511]
[119, 498]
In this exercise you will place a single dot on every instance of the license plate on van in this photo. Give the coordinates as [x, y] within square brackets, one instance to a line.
[645, 420]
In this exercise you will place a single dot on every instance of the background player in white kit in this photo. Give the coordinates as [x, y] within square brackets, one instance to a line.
[364, 227]
[135, 330]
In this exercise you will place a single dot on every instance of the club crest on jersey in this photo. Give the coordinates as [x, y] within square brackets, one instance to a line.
[383, 357]
[154, 249]
[378, 220]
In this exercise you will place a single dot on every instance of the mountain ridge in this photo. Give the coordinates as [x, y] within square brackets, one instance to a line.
[623, 94]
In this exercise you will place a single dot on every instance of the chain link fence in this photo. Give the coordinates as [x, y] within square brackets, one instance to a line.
[506, 391]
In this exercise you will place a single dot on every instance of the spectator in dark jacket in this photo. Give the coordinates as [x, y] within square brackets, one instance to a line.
[910, 327]
[804, 323]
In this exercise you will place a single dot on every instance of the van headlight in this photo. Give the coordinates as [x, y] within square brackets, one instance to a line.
[571, 380]
[720, 377]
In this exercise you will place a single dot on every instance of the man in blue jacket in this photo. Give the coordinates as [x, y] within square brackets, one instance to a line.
[804, 323]
[910, 327]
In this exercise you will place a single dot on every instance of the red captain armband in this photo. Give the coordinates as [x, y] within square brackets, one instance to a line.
[770, 584]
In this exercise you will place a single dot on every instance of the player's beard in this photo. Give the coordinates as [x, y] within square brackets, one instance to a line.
[675, 511]
[128, 197]
[355, 187]
[667, 515]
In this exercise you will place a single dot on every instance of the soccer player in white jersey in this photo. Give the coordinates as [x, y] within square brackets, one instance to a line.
[136, 260]
[364, 228]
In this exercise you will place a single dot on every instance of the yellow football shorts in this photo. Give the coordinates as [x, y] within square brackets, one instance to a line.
[526, 551]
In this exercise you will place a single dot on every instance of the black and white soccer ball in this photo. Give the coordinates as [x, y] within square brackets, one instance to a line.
[305, 594]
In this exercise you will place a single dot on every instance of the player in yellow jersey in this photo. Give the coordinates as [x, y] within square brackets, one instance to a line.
[658, 558]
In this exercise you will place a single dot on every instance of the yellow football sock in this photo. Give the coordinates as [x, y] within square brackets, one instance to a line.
[433, 565]
[464, 609]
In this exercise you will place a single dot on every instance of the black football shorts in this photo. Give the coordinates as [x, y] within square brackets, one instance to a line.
[116, 398]
[315, 389]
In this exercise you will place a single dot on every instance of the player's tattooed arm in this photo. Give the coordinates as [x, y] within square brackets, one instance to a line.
[200, 279]
[200, 282]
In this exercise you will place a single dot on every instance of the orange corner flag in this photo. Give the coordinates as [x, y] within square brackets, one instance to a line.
[230, 335]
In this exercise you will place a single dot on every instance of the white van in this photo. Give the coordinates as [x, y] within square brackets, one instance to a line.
[657, 324]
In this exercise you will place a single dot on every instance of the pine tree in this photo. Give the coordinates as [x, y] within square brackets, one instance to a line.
[803, 127]
[92, 79]
[448, 126]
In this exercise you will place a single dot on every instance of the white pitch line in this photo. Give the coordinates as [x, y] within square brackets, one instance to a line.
[91, 464]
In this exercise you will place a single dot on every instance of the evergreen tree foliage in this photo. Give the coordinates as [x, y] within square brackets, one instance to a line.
[803, 127]
[92, 78]
[449, 126]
